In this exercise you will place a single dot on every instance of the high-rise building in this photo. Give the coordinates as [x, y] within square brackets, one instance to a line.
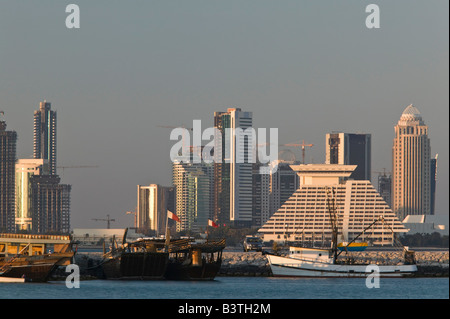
[384, 187]
[270, 191]
[153, 201]
[8, 141]
[193, 183]
[433, 180]
[283, 183]
[305, 216]
[51, 205]
[233, 173]
[261, 196]
[350, 149]
[45, 135]
[51, 199]
[25, 169]
[411, 165]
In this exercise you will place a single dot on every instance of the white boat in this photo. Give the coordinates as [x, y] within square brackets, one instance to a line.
[310, 262]
[315, 262]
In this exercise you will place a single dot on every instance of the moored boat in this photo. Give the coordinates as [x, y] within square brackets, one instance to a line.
[194, 261]
[27, 257]
[310, 262]
[144, 259]
[328, 262]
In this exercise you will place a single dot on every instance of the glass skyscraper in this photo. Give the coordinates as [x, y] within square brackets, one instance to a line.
[45, 135]
[350, 149]
[193, 184]
[233, 190]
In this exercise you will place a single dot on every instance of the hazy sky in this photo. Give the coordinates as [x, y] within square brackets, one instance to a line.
[305, 67]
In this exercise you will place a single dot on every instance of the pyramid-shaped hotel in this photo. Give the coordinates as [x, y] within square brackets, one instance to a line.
[305, 216]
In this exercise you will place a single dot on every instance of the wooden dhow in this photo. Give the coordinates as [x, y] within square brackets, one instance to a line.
[33, 258]
[191, 260]
[143, 259]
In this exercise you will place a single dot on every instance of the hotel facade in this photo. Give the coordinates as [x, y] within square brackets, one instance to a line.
[305, 216]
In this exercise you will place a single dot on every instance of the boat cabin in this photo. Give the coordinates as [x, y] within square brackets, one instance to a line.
[31, 245]
[311, 254]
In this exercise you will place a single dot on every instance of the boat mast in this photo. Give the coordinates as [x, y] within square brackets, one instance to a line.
[333, 220]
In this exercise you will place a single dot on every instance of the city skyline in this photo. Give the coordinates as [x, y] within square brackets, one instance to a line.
[314, 69]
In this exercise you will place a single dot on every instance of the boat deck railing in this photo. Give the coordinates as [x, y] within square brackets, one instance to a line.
[9, 236]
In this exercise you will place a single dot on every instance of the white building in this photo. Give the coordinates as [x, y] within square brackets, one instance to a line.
[305, 215]
[426, 224]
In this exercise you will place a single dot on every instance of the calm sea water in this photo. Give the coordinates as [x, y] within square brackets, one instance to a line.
[234, 288]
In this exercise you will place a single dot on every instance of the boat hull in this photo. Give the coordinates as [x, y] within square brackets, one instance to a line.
[291, 267]
[136, 266]
[35, 268]
[180, 271]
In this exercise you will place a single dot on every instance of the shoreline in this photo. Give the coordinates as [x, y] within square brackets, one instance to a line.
[255, 264]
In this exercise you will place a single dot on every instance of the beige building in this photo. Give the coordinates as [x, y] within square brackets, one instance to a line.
[411, 153]
[25, 169]
[305, 216]
[153, 201]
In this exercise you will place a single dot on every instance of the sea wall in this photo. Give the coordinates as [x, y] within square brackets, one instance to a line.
[430, 263]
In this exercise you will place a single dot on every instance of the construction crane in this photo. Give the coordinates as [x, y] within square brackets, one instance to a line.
[302, 145]
[109, 220]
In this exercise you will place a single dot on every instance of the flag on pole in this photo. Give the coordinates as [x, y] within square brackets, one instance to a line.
[212, 224]
[172, 216]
